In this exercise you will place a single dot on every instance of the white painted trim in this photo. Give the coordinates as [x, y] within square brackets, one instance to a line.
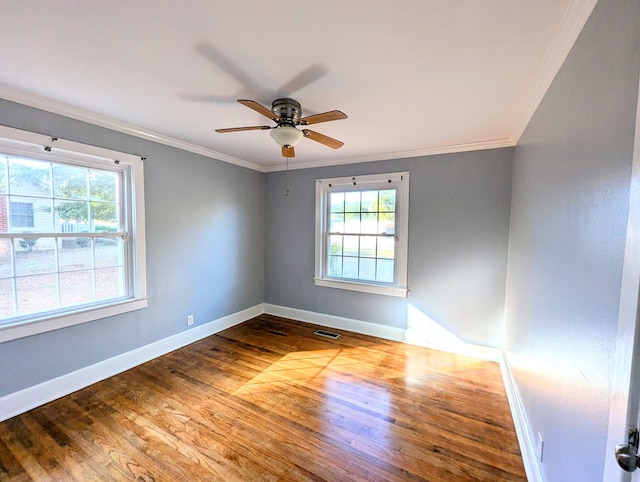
[37, 141]
[26, 143]
[362, 287]
[33, 100]
[31, 327]
[621, 415]
[527, 445]
[401, 181]
[374, 329]
[331, 321]
[39, 102]
[56, 107]
[430, 151]
[575, 17]
[574, 20]
[29, 398]
[139, 229]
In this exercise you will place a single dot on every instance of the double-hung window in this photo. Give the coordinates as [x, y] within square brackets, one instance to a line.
[362, 233]
[21, 214]
[71, 233]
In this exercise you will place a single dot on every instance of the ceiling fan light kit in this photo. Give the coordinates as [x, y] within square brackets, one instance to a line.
[286, 136]
[287, 114]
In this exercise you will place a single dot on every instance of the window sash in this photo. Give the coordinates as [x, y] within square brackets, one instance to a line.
[368, 269]
[129, 228]
[123, 283]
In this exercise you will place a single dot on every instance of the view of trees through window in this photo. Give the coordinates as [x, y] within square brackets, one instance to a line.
[62, 243]
[362, 235]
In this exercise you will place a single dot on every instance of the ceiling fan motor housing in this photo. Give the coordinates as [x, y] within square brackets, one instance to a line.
[289, 111]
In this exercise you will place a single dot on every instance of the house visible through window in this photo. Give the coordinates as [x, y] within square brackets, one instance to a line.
[21, 215]
[71, 240]
[361, 234]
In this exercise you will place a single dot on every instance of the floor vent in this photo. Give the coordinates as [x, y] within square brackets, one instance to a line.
[327, 334]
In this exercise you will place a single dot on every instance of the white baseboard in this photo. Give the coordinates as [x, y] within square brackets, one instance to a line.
[330, 321]
[29, 398]
[24, 400]
[383, 331]
[527, 445]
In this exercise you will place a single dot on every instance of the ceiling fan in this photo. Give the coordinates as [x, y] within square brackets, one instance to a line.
[287, 114]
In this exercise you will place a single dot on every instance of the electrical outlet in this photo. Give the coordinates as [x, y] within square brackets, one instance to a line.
[540, 447]
[189, 320]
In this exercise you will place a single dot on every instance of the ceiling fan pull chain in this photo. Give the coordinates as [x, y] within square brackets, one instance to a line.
[286, 180]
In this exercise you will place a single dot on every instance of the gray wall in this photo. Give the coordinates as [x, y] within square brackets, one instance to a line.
[221, 239]
[569, 210]
[205, 252]
[458, 234]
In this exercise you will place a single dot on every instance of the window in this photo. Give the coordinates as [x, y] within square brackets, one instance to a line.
[72, 238]
[362, 233]
[21, 215]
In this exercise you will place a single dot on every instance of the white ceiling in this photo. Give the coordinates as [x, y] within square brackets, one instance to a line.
[415, 77]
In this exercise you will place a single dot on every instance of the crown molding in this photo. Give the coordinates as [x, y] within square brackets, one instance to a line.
[56, 107]
[39, 102]
[430, 151]
[574, 20]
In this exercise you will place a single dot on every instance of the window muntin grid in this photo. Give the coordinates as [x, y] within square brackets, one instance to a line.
[361, 235]
[73, 252]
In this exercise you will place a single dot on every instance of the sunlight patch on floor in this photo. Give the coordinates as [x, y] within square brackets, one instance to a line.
[340, 362]
[358, 364]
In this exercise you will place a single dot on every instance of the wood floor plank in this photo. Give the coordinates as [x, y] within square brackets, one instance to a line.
[250, 422]
[269, 400]
[365, 432]
[32, 469]
[10, 467]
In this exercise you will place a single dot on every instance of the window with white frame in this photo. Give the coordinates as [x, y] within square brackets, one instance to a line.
[362, 233]
[71, 233]
[21, 214]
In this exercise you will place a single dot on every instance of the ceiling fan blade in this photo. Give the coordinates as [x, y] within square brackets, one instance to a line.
[304, 78]
[223, 99]
[332, 115]
[288, 151]
[238, 129]
[227, 65]
[260, 109]
[322, 139]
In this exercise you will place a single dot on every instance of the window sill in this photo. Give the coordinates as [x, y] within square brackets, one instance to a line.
[362, 287]
[25, 328]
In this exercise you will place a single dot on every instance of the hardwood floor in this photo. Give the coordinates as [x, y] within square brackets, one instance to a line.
[268, 400]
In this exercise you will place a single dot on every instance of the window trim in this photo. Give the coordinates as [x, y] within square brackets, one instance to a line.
[323, 187]
[24, 143]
